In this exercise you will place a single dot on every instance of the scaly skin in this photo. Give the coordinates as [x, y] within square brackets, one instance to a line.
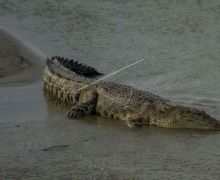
[135, 107]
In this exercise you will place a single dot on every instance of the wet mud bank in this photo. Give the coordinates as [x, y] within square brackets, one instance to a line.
[19, 64]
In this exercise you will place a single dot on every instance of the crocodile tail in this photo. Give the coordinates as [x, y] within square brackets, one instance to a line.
[78, 68]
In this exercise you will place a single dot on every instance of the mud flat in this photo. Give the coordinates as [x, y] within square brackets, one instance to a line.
[18, 62]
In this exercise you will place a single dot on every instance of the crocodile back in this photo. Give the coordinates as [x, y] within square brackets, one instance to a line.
[115, 100]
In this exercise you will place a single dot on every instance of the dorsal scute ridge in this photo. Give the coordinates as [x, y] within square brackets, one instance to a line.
[75, 66]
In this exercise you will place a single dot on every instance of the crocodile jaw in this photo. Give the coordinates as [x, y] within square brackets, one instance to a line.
[183, 117]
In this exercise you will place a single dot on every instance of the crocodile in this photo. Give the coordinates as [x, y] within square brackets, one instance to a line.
[76, 84]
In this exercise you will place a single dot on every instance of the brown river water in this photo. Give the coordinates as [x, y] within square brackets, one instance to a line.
[180, 42]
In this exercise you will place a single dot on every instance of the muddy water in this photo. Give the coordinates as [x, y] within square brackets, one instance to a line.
[179, 41]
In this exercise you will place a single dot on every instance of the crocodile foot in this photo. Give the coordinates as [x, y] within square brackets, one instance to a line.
[81, 109]
[75, 112]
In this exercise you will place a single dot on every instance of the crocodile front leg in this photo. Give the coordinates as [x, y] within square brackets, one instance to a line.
[81, 109]
[86, 105]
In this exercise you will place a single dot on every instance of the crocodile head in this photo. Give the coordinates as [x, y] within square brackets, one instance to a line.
[184, 117]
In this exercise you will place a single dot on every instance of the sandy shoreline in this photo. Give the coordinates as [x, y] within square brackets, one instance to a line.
[18, 63]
